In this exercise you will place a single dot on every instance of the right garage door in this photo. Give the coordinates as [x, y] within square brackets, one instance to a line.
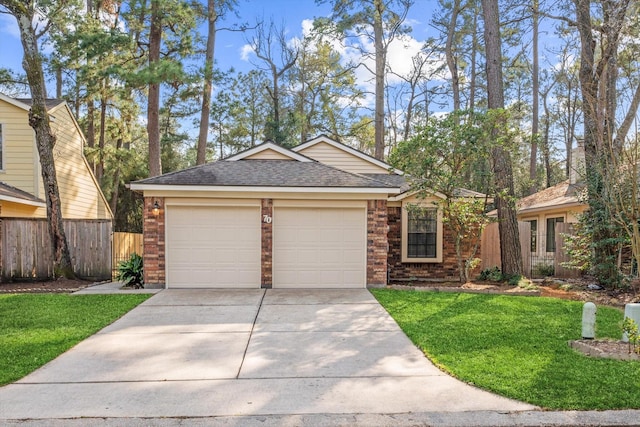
[319, 247]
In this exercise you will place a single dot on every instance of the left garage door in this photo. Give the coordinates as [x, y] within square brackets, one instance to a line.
[213, 247]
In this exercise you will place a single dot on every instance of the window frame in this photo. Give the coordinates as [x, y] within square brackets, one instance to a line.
[405, 234]
[551, 231]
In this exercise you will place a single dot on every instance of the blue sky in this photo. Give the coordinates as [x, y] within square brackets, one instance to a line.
[229, 45]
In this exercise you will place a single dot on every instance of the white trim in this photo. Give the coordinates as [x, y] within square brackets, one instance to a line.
[14, 102]
[269, 146]
[176, 201]
[412, 193]
[23, 201]
[241, 189]
[551, 208]
[297, 203]
[350, 150]
[404, 239]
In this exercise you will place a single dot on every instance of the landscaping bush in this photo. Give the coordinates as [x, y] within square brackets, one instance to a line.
[130, 272]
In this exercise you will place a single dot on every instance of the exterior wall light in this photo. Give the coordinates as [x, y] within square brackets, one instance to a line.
[156, 208]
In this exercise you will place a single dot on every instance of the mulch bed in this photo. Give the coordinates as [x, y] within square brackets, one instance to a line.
[61, 285]
[606, 349]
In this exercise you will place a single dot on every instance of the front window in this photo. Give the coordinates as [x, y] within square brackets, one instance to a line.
[551, 233]
[422, 233]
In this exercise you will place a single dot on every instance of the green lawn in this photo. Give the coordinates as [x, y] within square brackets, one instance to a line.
[517, 346]
[35, 328]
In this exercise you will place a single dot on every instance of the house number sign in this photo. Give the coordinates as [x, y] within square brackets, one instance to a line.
[266, 219]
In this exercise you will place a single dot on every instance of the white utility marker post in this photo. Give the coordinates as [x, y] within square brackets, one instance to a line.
[588, 321]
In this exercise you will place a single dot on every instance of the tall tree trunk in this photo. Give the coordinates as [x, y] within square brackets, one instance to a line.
[212, 17]
[474, 53]
[153, 102]
[113, 203]
[510, 251]
[91, 131]
[381, 61]
[598, 104]
[45, 139]
[535, 89]
[102, 138]
[450, 56]
[58, 81]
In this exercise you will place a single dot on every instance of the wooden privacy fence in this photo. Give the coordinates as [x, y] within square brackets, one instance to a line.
[490, 245]
[26, 251]
[124, 245]
[490, 252]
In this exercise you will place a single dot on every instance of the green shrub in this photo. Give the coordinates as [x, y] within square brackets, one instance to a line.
[630, 328]
[544, 270]
[492, 274]
[130, 272]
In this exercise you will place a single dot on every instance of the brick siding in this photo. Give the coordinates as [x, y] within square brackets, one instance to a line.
[267, 245]
[154, 242]
[377, 244]
[399, 271]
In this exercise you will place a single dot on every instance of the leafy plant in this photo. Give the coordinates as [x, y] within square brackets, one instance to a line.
[544, 270]
[630, 327]
[492, 274]
[130, 272]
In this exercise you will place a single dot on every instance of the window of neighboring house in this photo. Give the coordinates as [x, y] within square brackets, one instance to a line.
[534, 235]
[421, 234]
[551, 233]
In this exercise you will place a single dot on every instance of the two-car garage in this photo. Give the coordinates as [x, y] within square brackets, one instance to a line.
[271, 216]
[222, 246]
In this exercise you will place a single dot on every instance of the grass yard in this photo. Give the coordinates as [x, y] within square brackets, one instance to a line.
[517, 347]
[35, 328]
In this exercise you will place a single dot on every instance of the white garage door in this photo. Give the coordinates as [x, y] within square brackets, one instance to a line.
[213, 247]
[319, 247]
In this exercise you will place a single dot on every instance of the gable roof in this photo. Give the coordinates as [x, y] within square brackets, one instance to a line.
[325, 139]
[268, 146]
[563, 194]
[50, 103]
[12, 194]
[283, 175]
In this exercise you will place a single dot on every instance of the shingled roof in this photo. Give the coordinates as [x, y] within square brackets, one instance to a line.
[9, 192]
[267, 173]
[50, 103]
[562, 194]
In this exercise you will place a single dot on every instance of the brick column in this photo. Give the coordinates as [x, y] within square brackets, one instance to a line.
[154, 242]
[266, 257]
[377, 243]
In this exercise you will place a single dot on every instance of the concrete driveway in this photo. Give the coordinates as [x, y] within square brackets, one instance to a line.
[220, 353]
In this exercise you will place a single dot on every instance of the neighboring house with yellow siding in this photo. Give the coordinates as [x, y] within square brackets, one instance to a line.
[22, 192]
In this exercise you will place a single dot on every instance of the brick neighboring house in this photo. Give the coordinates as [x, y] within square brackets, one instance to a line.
[321, 215]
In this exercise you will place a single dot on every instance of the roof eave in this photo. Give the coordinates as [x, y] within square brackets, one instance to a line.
[35, 203]
[551, 207]
[252, 189]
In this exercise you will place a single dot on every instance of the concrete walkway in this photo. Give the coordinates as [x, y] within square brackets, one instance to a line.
[256, 357]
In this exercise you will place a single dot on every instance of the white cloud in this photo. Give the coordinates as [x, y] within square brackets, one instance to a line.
[246, 51]
[399, 56]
